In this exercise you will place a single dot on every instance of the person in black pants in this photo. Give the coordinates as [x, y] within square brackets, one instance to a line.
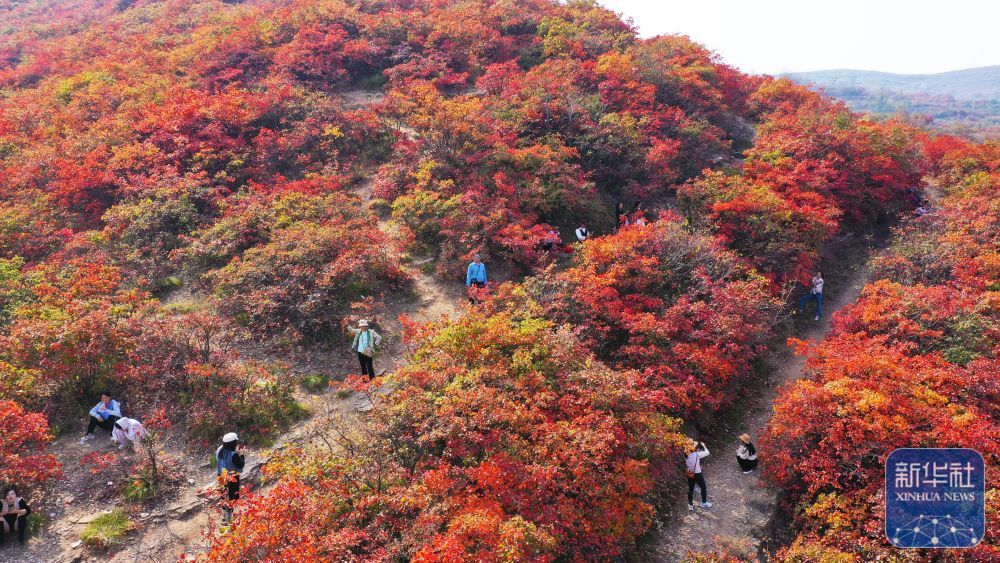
[230, 459]
[365, 342]
[104, 415]
[15, 515]
[695, 453]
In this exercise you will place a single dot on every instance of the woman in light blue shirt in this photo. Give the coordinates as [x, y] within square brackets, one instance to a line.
[365, 342]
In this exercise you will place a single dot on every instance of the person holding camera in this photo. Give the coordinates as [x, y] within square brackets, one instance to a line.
[695, 453]
[230, 459]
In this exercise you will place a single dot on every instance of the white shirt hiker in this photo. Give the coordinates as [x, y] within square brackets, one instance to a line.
[744, 453]
[817, 285]
[694, 460]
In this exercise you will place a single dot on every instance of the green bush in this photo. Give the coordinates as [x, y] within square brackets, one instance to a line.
[140, 486]
[37, 521]
[315, 382]
[251, 398]
[107, 530]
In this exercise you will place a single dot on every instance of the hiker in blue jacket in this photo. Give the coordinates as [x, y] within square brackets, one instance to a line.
[475, 277]
[104, 414]
[230, 459]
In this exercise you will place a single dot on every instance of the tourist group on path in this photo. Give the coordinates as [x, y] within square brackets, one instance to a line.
[746, 457]
[230, 457]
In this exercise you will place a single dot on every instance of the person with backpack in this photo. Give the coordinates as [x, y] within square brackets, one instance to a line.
[695, 453]
[14, 513]
[746, 455]
[475, 278]
[127, 431]
[230, 459]
[815, 294]
[104, 415]
[365, 342]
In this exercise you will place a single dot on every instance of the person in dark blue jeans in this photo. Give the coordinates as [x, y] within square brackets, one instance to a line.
[815, 294]
[475, 277]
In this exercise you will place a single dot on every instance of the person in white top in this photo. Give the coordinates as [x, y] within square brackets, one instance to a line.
[746, 455]
[815, 294]
[695, 453]
[582, 233]
[127, 431]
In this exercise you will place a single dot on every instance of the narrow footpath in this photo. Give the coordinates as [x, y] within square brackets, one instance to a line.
[740, 520]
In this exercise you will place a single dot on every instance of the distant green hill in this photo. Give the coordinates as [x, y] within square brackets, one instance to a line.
[969, 84]
[961, 101]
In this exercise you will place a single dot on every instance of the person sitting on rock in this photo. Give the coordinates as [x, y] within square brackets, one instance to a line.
[104, 414]
[14, 513]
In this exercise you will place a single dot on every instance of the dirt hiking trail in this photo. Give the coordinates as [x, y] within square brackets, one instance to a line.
[177, 524]
[741, 519]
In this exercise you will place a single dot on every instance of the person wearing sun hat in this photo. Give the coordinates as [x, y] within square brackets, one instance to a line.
[746, 455]
[364, 344]
[696, 451]
[230, 459]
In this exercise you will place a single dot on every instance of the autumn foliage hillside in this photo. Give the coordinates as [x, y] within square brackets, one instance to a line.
[220, 148]
[912, 364]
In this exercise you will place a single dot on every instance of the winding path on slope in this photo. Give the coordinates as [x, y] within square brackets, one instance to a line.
[743, 505]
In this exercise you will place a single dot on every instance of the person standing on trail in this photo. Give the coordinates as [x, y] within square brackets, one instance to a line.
[815, 294]
[230, 459]
[14, 513]
[695, 453]
[746, 455]
[638, 215]
[475, 278]
[365, 342]
[127, 431]
[104, 414]
[582, 234]
[621, 216]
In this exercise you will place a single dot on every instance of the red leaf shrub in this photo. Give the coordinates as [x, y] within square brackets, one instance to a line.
[912, 364]
[503, 436]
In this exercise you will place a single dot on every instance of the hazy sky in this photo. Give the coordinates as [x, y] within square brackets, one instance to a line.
[772, 36]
